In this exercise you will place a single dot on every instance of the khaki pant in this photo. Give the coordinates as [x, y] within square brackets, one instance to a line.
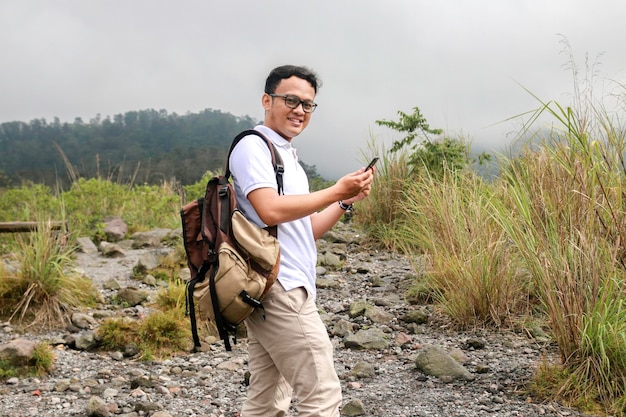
[290, 349]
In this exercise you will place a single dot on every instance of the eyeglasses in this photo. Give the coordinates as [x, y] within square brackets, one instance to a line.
[294, 101]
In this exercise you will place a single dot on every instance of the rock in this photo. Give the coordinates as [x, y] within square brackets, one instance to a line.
[150, 260]
[458, 355]
[330, 260]
[83, 321]
[97, 407]
[403, 339]
[86, 245]
[363, 370]
[334, 236]
[327, 283]
[18, 352]
[115, 229]
[378, 315]
[161, 414]
[231, 365]
[358, 308]
[85, 341]
[131, 296]
[417, 316]
[149, 239]
[145, 241]
[475, 343]
[111, 250]
[367, 339]
[342, 328]
[353, 408]
[434, 361]
[111, 284]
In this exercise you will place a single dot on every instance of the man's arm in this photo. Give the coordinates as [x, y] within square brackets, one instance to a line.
[274, 209]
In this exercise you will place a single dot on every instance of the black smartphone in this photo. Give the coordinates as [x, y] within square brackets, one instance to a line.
[372, 163]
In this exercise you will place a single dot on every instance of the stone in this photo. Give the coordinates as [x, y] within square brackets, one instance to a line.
[86, 245]
[111, 284]
[434, 361]
[18, 352]
[367, 339]
[131, 296]
[115, 229]
[97, 407]
[83, 321]
[417, 316]
[150, 260]
[353, 408]
[111, 250]
[363, 370]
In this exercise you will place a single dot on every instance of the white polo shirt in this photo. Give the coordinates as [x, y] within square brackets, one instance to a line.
[251, 168]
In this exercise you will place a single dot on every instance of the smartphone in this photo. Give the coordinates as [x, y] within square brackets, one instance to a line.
[372, 163]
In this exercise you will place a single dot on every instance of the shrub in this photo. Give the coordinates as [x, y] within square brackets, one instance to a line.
[162, 333]
[117, 333]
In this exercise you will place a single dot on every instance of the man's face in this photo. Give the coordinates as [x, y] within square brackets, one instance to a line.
[286, 121]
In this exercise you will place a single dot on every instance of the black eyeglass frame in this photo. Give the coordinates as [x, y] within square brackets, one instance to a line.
[304, 103]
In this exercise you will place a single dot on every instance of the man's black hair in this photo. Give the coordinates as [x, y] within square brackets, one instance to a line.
[286, 71]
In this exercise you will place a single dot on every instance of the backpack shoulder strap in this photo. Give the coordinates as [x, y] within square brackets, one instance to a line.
[277, 162]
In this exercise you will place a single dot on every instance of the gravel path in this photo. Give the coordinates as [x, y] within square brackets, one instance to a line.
[211, 383]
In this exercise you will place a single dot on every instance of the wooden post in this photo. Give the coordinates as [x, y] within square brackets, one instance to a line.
[21, 227]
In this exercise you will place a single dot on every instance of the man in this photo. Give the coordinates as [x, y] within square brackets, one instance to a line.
[289, 348]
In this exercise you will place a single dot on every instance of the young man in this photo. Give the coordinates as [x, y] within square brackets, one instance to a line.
[289, 348]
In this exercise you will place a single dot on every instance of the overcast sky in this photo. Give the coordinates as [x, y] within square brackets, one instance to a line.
[465, 64]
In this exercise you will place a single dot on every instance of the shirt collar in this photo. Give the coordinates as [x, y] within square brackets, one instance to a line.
[276, 138]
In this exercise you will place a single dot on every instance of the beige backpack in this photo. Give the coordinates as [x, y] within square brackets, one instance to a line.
[233, 262]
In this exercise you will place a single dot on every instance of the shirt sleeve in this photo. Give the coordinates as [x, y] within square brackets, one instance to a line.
[251, 165]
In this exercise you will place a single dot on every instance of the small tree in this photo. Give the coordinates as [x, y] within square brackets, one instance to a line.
[430, 154]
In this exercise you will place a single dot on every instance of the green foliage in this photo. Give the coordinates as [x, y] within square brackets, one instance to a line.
[544, 239]
[6, 370]
[25, 202]
[414, 125]
[43, 359]
[143, 207]
[44, 291]
[430, 156]
[198, 189]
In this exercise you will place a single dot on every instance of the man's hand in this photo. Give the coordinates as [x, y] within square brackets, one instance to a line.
[355, 186]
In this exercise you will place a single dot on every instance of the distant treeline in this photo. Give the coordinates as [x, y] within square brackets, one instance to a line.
[137, 147]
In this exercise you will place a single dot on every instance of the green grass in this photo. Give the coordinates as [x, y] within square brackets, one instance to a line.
[45, 290]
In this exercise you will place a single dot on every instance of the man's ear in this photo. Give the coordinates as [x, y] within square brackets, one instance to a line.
[266, 101]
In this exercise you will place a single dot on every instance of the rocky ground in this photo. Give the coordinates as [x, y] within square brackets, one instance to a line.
[384, 352]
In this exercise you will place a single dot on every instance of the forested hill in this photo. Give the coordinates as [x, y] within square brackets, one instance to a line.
[146, 146]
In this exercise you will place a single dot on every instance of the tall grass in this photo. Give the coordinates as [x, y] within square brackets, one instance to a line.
[475, 271]
[565, 211]
[381, 212]
[44, 291]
